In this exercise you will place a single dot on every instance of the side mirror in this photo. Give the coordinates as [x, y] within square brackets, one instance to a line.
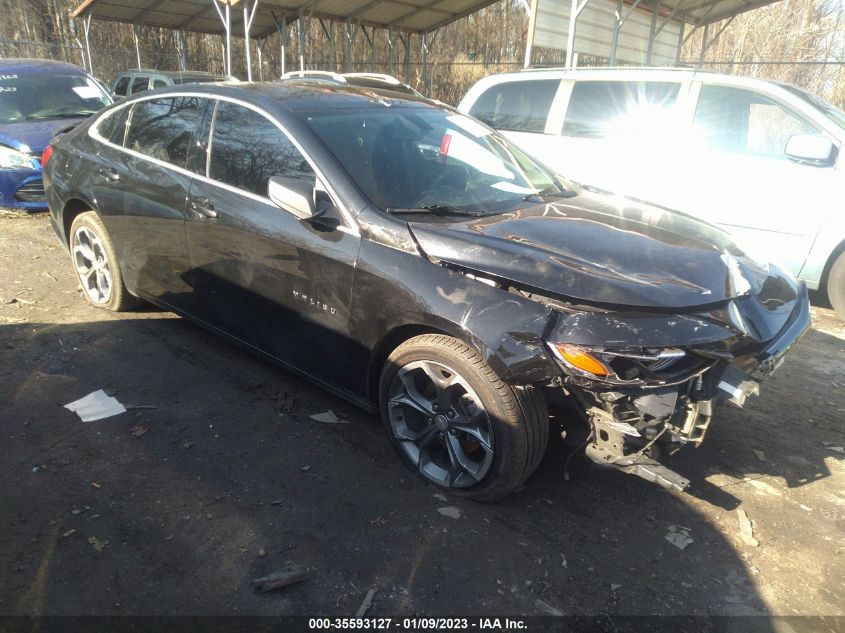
[811, 149]
[294, 195]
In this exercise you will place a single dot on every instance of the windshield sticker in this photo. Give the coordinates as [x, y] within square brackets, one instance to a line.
[4, 77]
[468, 125]
[8, 89]
[87, 92]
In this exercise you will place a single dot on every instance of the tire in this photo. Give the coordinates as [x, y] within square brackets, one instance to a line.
[497, 434]
[836, 286]
[94, 261]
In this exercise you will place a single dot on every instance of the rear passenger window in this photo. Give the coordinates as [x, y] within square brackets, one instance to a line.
[744, 122]
[606, 109]
[140, 84]
[247, 149]
[158, 83]
[163, 128]
[519, 106]
[121, 86]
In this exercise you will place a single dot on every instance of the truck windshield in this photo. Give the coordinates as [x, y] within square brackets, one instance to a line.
[830, 111]
[38, 96]
[406, 158]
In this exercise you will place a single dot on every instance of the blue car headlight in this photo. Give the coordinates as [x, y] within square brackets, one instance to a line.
[14, 159]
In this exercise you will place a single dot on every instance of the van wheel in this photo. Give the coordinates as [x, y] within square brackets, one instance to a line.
[836, 286]
[96, 265]
[456, 423]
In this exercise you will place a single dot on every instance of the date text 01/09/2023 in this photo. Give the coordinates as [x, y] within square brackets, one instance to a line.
[416, 624]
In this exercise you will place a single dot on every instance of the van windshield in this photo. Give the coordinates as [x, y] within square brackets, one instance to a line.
[38, 96]
[828, 109]
[422, 159]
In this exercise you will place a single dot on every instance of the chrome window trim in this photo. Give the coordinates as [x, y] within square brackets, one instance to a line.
[93, 132]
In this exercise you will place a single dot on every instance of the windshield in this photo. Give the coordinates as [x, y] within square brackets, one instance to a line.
[831, 111]
[426, 158]
[38, 96]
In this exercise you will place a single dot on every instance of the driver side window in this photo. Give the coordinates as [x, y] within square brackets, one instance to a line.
[247, 149]
[740, 121]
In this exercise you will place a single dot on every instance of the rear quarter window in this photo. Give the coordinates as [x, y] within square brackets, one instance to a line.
[518, 106]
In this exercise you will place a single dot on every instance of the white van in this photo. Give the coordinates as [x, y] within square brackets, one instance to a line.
[759, 158]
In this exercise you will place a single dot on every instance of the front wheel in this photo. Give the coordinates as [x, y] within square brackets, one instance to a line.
[456, 423]
[836, 286]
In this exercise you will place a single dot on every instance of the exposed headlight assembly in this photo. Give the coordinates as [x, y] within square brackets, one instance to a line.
[622, 367]
[13, 159]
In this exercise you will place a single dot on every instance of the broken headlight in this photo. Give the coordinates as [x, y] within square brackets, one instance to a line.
[621, 367]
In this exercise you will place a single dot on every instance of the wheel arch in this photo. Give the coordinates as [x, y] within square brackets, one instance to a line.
[71, 209]
[834, 255]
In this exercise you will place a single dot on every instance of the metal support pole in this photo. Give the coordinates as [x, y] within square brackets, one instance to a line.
[424, 61]
[260, 50]
[651, 33]
[406, 64]
[617, 25]
[575, 11]
[300, 31]
[680, 39]
[249, 16]
[703, 44]
[226, 19]
[81, 52]
[283, 38]
[390, 70]
[529, 42]
[86, 25]
[137, 44]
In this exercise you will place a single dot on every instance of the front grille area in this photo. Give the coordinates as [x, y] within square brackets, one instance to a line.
[32, 191]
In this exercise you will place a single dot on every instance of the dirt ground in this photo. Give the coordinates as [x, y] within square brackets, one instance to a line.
[176, 509]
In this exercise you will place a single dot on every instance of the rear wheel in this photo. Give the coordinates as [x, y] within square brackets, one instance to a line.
[456, 423]
[96, 265]
[836, 286]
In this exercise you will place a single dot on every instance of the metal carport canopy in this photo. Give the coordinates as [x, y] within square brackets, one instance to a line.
[415, 16]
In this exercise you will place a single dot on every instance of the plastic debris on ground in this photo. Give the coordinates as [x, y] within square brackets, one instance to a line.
[365, 605]
[96, 406]
[328, 417]
[450, 511]
[279, 579]
[679, 536]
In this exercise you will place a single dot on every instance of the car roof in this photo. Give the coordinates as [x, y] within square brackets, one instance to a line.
[298, 96]
[168, 73]
[28, 65]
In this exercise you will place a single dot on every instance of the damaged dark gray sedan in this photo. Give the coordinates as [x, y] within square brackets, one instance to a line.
[413, 261]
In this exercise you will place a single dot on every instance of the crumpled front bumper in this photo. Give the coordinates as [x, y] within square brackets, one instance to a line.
[679, 414]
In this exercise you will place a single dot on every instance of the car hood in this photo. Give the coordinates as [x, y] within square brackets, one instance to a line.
[599, 249]
[34, 134]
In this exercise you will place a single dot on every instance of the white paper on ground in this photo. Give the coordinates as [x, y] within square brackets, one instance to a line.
[96, 406]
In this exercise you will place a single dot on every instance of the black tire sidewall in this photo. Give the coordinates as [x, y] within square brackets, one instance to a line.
[836, 286]
[509, 444]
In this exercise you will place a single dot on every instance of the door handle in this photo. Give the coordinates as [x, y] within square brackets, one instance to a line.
[110, 175]
[204, 207]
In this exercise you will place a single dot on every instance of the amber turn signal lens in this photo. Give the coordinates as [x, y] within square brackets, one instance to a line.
[580, 358]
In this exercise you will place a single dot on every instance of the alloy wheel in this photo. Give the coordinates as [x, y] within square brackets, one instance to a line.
[92, 265]
[441, 424]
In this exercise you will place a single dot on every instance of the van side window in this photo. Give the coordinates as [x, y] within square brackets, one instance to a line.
[247, 149]
[121, 86]
[162, 128]
[604, 109]
[140, 84]
[744, 122]
[519, 106]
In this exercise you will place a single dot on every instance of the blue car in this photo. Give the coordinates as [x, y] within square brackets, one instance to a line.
[39, 98]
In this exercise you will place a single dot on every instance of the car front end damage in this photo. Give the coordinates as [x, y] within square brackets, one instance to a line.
[654, 381]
